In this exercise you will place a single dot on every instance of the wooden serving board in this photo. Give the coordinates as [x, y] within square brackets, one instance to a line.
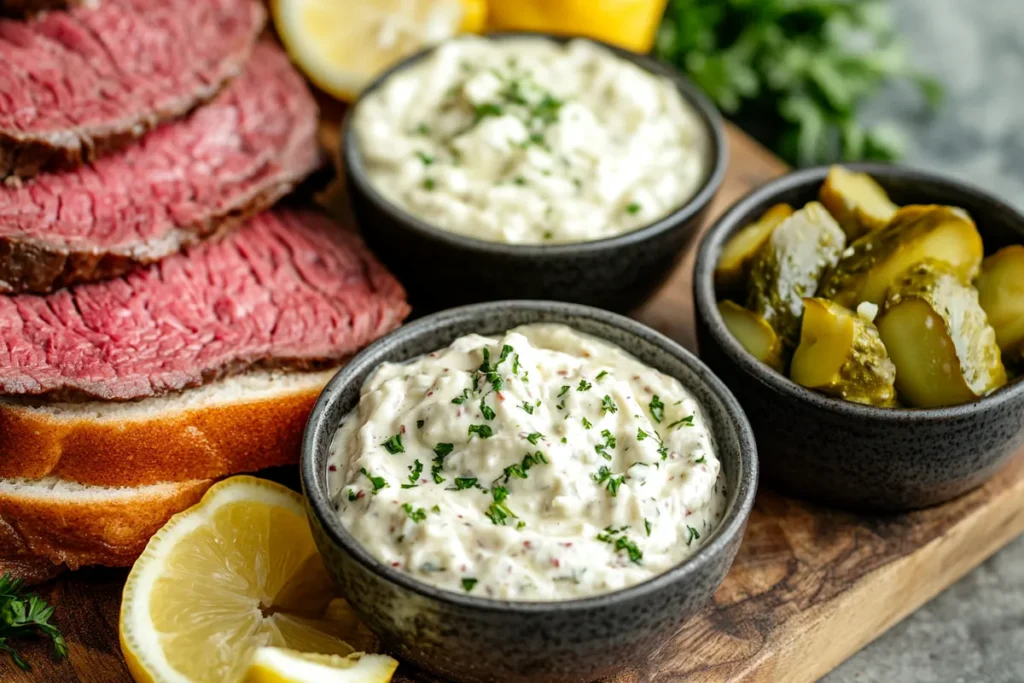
[809, 588]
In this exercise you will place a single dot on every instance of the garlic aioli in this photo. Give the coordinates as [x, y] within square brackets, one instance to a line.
[545, 465]
[528, 141]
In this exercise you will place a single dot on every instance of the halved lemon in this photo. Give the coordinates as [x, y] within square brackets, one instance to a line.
[277, 665]
[343, 44]
[236, 572]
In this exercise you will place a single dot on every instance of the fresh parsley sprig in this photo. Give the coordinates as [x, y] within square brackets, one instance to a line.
[25, 615]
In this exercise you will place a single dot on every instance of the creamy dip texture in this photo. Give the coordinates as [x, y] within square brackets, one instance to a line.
[526, 141]
[545, 465]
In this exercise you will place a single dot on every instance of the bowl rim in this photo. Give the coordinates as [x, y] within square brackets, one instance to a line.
[706, 302]
[733, 522]
[706, 111]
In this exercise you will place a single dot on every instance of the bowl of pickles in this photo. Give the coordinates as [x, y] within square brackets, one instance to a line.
[870, 319]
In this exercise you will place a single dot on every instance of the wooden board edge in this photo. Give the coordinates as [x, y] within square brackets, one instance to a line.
[840, 628]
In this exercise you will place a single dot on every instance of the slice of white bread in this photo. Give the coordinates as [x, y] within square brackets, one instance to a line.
[237, 424]
[64, 523]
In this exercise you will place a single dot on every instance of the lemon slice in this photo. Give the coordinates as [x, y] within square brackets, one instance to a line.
[277, 665]
[236, 572]
[343, 44]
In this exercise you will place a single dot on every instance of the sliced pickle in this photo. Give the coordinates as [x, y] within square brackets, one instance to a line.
[875, 262]
[1001, 293]
[789, 267]
[739, 251]
[939, 338]
[842, 355]
[857, 202]
[753, 333]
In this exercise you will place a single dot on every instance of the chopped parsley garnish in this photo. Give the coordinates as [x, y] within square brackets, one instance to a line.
[614, 483]
[482, 111]
[586, 423]
[691, 535]
[621, 543]
[441, 450]
[423, 129]
[608, 405]
[491, 373]
[420, 423]
[520, 525]
[520, 470]
[547, 109]
[700, 461]
[534, 437]
[394, 445]
[415, 470]
[641, 434]
[657, 409]
[352, 495]
[663, 451]
[647, 525]
[683, 422]
[601, 375]
[528, 407]
[463, 483]
[436, 509]
[498, 512]
[417, 515]
[428, 184]
[583, 385]
[486, 410]
[468, 583]
[378, 482]
[505, 351]
[633, 209]
[483, 431]
[609, 442]
[561, 395]
[565, 440]
[461, 398]
[427, 159]
[519, 180]
[515, 364]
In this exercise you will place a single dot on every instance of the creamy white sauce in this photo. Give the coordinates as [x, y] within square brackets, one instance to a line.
[526, 141]
[583, 473]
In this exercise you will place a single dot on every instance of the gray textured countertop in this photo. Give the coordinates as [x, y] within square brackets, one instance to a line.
[974, 631]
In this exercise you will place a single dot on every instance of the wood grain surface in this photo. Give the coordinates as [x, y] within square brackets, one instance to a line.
[810, 586]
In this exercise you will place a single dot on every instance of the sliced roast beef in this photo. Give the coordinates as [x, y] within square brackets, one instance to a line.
[80, 83]
[184, 181]
[287, 289]
[24, 7]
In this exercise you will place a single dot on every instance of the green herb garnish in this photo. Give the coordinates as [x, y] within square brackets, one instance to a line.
[498, 512]
[683, 422]
[609, 442]
[700, 461]
[378, 482]
[647, 526]
[463, 483]
[608, 405]
[394, 445]
[420, 423]
[24, 615]
[486, 410]
[441, 451]
[483, 431]
[416, 515]
[611, 535]
[657, 409]
[528, 407]
[601, 375]
[425, 158]
[583, 385]
[633, 209]
[641, 434]
[691, 535]
[586, 423]
[461, 398]
[534, 437]
[428, 184]
[468, 583]
[415, 470]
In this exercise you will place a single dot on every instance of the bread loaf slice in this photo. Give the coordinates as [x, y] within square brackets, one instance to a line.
[237, 424]
[74, 525]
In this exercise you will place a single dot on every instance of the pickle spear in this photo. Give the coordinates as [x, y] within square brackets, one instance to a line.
[739, 251]
[939, 338]
[753, 333]
[842, 355]
[1001, 293]
[875, 262]
[857, 202]
[789, 267]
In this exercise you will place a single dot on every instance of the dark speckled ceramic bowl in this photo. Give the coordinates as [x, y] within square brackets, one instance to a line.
[469, 638]
[441, 268]
[843, 453]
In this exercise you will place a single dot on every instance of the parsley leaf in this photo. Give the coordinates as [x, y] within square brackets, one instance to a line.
[468, 583]
[486, 410]
[601, 375]
[608, 405]
[657, 409]
[461, 398]
[586, 423]
[583, 385]
[394, 445]
[691, 535]
[415, 470]
[378, 482]
[534, 437]
[528, 407]
[483, 431]
[417, 515]
[498, 512]
[462, 483]
[23, 615]
[683, 422]
[647, 526]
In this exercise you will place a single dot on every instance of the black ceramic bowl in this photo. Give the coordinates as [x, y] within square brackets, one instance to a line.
[476, 639]
[441, 269]
[843, 453]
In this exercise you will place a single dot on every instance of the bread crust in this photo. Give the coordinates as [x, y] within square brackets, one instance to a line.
[77, 531]
[179, 443]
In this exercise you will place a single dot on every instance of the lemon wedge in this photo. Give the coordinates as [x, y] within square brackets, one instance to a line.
[631, 24]
[343, 44]
[236, 572]
[277, 665]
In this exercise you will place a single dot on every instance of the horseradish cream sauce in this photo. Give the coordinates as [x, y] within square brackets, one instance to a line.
[545, 465]
[528, 141]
